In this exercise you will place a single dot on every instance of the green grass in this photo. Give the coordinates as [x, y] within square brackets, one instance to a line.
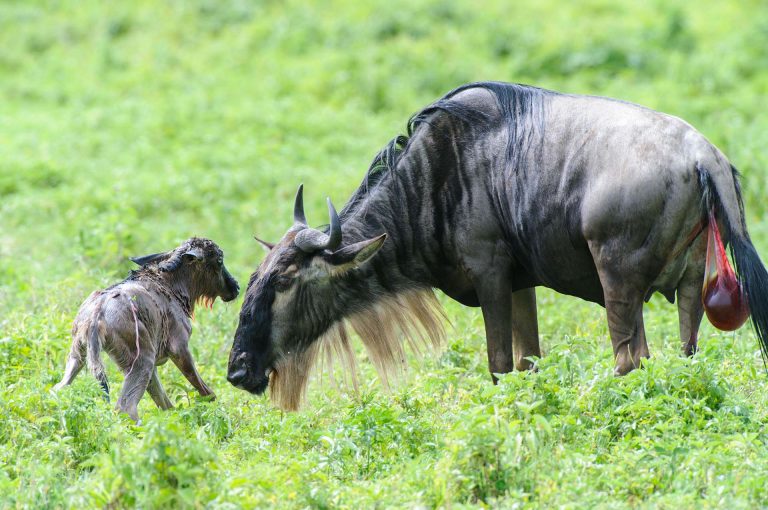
[126, 128]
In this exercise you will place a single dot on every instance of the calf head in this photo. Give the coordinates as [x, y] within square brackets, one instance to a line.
[198, 264]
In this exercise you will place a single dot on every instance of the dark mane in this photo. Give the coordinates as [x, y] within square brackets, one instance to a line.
[521, 105]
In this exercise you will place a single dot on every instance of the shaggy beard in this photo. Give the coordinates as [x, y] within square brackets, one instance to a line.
[415, 316]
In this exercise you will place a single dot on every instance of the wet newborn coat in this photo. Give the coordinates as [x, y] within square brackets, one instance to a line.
[145, 320]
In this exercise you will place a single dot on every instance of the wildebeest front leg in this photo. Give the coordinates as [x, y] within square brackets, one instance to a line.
[156, 391]
[525, 328]
[136, 381]
[183, 360]
[496, 304]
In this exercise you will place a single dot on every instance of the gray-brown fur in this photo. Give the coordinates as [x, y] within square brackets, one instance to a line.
[145, 320]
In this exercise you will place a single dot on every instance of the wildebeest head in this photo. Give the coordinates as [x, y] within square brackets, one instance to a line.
[302, 289]
[200, 263]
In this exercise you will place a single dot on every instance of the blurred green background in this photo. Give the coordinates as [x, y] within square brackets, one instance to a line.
[127, 127]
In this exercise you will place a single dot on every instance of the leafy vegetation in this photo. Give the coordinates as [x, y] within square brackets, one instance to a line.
[128, 127]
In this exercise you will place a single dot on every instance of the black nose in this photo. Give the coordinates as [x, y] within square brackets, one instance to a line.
[236, 376]
[238, 369]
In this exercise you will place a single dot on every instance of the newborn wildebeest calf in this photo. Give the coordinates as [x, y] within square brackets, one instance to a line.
[144, 320]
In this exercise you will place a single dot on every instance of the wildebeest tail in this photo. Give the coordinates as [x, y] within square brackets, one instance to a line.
[722, 193]
[93, 348]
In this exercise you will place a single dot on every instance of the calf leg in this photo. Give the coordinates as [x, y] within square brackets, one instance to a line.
[183, 360]
[525, 328]
[156, 391]
[136, 381]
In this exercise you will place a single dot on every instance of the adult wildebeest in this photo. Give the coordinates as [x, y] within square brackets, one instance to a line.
[499, 188]
[145, 319]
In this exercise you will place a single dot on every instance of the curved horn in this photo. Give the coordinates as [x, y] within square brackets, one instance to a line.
[310, 240]
[334, 240]
[298, 207]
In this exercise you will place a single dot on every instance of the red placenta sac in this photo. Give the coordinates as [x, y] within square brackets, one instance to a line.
[724, 299]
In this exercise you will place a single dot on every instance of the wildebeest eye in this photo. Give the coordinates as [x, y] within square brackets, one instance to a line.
[282, 282]
[220, 261]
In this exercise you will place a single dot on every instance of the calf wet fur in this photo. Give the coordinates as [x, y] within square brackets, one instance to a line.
[144, 320]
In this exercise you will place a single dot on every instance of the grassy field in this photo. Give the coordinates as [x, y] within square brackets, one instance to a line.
[126, 128]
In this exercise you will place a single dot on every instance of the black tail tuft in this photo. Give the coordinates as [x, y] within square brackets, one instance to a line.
[754, 278]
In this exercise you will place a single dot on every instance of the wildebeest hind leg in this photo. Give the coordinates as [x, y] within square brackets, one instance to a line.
[525, 328]
[626, 329]
[624, 308]
[624, 287]
[690, 309]
[642, 344]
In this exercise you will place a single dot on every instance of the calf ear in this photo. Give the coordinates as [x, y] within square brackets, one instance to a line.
[193, 254]
[148, 259]
[176, 258]
[356, 254]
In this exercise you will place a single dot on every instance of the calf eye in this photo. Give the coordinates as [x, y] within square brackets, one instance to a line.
[220, 261]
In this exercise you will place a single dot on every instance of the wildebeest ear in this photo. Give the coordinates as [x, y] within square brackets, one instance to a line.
[148, 259]
[354, 255]
[267, 246]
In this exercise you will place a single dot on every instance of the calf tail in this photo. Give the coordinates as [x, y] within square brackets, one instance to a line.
[722, 194]
[93, 349]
